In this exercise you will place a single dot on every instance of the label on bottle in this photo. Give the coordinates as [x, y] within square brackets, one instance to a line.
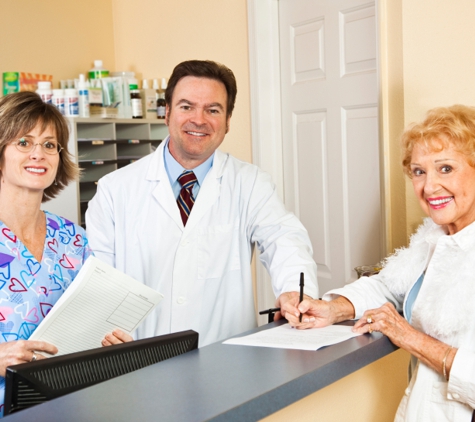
[161, 112]
[58, 102]
[45, 96]
[71, 106]
[136, 107]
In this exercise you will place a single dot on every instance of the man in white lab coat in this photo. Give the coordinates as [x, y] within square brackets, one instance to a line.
[140, 220]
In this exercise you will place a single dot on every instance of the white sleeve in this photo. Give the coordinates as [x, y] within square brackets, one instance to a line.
[282, 240]
[366, 293]
[461, 385]
[100, 225]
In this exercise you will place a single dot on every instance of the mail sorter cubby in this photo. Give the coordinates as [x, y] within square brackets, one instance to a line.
[101, 146]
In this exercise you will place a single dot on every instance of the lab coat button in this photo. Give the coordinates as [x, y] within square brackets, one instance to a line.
[185, 243]
[180, 300]
[456, 396]
[408, 391]
[449, 396]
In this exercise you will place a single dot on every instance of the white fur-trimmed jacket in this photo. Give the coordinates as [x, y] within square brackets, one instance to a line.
[444, 309]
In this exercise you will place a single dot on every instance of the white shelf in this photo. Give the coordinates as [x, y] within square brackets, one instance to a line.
[98, 158]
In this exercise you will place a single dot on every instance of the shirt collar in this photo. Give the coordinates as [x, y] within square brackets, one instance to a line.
[174, 168]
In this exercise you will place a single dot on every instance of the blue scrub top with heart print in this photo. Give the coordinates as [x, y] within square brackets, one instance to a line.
[28, 288]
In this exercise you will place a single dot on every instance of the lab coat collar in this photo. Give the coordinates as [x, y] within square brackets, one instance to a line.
[208, 195]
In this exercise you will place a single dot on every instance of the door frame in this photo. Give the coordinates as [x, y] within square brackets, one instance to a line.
[266, 126]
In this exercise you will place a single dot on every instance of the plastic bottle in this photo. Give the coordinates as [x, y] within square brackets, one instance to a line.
[149, 101]
[95, 93]
[135, 100]
[161, 104]
[83, 97]
[58, 100]
[71, 102]
[44, 91]
[124, 108]
[98, 71]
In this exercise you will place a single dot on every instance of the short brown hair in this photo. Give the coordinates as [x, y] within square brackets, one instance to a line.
[204, 69]
[442, 127]
[22, 112]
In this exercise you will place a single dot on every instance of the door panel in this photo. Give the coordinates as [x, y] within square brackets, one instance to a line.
[330, 131]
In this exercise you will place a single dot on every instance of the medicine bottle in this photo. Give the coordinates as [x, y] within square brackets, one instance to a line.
[161, 104]
[135, 101]
[58, 100]
[98, 71]
[71, 102]
[83, 97]
[44, 91]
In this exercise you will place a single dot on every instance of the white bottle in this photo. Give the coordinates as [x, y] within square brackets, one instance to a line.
[83, 98]
[44, 91]
[149, 102]
[71, 102]
[58, 100]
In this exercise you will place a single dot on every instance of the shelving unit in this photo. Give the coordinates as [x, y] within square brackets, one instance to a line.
[101, 146]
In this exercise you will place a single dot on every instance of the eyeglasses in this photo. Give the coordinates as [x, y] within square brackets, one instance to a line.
[49, 147]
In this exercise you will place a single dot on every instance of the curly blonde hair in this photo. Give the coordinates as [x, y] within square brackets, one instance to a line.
[442, 127]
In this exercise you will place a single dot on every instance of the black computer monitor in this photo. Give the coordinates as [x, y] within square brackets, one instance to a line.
[33, 383]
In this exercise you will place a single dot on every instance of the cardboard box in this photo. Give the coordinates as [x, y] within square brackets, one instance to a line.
[23, 81]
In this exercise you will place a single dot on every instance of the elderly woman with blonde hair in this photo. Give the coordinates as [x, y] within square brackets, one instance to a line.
[432, 281]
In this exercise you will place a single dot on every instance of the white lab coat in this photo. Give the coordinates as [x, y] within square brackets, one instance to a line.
[203, 269]
[444, 309]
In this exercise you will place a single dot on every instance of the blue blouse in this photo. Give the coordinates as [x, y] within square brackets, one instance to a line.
[28, 288]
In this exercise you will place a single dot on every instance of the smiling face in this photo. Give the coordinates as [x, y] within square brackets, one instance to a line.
[32, 171]
[196, 120]
[444, 183]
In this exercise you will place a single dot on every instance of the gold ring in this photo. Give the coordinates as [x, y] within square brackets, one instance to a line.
[370, 329]
[369, 320]
[34, 357]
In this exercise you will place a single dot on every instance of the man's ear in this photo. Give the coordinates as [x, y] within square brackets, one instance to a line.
[167, 114]
[228, 123]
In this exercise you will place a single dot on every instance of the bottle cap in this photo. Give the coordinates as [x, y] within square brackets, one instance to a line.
[145, 84]
[44, 85]
[70, 92]
[164, 83]
[58, 92]
[155, 84]
[97, 63]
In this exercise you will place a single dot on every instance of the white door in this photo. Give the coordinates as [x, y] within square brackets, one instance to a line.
[329, 97]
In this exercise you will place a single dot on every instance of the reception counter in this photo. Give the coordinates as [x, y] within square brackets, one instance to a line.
[220, 383]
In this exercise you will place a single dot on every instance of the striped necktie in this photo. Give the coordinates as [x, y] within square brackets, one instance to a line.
[186, 199]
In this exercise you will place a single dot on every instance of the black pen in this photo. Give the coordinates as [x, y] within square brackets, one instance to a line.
[301, 293]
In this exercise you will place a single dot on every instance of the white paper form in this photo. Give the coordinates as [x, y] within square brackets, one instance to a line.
[99, 299]
[286, 337]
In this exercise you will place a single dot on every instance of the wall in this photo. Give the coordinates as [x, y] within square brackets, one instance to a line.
[56, 37]
[371, 394]
[152, 36]
[439, 64]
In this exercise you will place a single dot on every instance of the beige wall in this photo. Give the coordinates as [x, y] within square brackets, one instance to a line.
[148, 37]
[425, 48]
[439, 63]
[152, 36]
[55, 37]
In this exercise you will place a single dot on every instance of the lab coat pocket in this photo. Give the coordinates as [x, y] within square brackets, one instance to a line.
[441, 409]
[218, 250]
